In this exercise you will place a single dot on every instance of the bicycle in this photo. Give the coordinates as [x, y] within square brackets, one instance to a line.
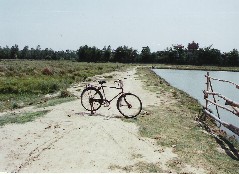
[128, 104]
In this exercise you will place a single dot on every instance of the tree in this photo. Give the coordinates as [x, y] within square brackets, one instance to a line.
[82, 53]
[69, 54]
[232, 58]
[119, 54]
[88, 54]
[179, 52]
[14, 54]
[133, 57]
[209, 56]
[24, 54]
[38, 52]
[1, 53]
[146, 55]
[106, 54]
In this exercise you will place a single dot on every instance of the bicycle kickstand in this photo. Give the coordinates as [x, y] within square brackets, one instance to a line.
[91, 111]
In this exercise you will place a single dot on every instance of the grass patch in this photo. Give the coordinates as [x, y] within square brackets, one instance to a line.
[21, 118]
[174, 126]
[140, 167]
[55, 101]
[135, 156]
[14, 101]
[23, 80]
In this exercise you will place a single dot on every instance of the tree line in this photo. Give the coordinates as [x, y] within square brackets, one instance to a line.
[177, 54]
[35, 53]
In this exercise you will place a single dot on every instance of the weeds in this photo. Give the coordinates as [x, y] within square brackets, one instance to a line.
[140, 167]
[65, 93]
[56, 101]
[21, 81]
[21, 118]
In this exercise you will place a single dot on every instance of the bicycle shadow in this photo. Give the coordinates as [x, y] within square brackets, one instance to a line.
[106, 117]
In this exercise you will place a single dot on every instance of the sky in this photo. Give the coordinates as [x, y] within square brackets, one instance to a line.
[69, 24]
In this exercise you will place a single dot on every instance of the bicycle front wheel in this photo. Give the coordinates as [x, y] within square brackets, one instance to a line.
[129, 105]
[91, 99]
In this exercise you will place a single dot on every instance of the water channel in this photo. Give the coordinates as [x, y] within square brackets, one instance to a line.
[193, 82]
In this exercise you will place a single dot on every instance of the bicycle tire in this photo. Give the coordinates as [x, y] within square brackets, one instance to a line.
[91, 99]
[129, 105]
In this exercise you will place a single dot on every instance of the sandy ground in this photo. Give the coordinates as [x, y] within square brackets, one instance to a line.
[69, 139]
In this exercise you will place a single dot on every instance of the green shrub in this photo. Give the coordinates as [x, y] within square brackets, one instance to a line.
[35, 78]
[15, 105]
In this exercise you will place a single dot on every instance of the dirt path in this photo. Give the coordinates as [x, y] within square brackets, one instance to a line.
[68, 139]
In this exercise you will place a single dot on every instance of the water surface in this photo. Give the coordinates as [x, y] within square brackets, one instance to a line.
[193, 82]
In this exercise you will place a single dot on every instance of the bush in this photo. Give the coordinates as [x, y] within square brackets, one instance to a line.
[47, 71]
[65, 93]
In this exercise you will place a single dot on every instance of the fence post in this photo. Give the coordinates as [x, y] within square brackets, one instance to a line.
[206, 95]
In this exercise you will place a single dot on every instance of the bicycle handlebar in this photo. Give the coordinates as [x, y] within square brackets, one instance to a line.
[120, 83]
[114, 87]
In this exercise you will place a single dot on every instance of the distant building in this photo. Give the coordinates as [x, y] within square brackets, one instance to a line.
[179, 46]
[193, 46]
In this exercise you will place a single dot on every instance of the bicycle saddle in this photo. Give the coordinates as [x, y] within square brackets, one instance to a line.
[102, 82]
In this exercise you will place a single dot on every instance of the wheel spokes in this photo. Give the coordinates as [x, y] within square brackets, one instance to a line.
[91, 99]
[129, 105]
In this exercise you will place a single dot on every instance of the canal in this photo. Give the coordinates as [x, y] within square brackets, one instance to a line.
[193, 82]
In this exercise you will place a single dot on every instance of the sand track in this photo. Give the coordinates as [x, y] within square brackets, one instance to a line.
[68, 139]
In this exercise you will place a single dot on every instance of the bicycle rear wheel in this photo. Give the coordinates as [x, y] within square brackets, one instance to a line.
[129, 105]
[91, 99]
